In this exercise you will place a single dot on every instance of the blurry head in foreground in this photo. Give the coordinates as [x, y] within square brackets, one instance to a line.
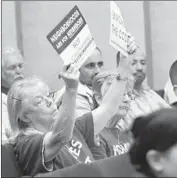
[154, 152]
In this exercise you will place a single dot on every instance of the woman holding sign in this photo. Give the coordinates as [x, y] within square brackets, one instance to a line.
[45, 138]
[114, 140]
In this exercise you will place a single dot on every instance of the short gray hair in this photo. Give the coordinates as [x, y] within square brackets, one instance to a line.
[7, 50]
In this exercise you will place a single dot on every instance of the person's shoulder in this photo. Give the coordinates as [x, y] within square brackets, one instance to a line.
[23, 139]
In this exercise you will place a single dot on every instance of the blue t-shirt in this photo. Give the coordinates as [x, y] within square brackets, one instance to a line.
[112, 142]
[28, 148]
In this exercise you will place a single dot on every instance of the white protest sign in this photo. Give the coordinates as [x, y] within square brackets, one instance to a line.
[72, 39]
[118, 33]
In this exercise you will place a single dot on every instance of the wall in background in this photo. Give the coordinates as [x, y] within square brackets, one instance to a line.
[38, 18]
[164, 36]
[9, 35]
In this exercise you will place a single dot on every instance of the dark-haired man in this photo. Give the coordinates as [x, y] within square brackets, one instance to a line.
[90, 68]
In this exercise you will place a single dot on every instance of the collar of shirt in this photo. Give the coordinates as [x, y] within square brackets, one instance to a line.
[85, 91]
[147, 102]
[30, 131]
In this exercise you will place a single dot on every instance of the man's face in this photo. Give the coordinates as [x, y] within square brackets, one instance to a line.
[12, 70]
[139, 68]
[91, 68]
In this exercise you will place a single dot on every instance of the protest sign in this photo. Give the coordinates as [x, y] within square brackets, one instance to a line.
[118, 33]
[72, 39]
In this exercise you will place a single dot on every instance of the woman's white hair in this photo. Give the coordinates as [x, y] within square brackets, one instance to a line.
[98, 83]
[16, 95]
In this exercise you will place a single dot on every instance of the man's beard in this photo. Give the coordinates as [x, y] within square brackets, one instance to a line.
[139, 78]
[20, 77]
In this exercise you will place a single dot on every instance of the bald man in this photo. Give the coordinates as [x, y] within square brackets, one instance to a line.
[144, 99]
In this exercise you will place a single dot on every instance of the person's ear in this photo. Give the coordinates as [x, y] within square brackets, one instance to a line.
[154, 159]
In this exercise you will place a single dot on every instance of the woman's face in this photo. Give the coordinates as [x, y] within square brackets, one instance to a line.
[124, 106]
[39, 108]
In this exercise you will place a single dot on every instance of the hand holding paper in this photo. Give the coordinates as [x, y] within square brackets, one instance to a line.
[70, 75]
[131, 46]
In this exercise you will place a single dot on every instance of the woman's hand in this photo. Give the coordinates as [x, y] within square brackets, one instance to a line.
[131, 46]
[71, 76]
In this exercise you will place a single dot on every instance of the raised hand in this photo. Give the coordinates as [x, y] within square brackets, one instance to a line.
[71, 76]
[131, 46]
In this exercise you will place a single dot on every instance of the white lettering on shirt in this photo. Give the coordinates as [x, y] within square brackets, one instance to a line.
[121, 149]
[75, 147]
[75, 150]
[87, 160]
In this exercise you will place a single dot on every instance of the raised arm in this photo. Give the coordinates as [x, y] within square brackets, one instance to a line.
[114, 96]
[109, 105]
[62, 128]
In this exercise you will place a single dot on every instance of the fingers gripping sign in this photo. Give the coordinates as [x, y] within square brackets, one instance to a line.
[131, 45]
[70, 75]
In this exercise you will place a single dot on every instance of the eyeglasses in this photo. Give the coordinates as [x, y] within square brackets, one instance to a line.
[16, 99]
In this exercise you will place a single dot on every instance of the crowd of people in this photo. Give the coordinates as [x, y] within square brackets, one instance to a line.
[98, 114]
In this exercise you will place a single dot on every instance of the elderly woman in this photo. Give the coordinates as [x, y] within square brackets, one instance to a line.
[112, 140]
[46, 139]
[154, 151]
[37, 126]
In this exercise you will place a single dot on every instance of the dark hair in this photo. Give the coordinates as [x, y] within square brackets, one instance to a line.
[157, 131]
[118, 58]
[173, 73]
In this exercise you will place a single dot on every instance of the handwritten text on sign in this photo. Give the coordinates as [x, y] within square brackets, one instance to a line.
[72, 39]
[118, 33]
